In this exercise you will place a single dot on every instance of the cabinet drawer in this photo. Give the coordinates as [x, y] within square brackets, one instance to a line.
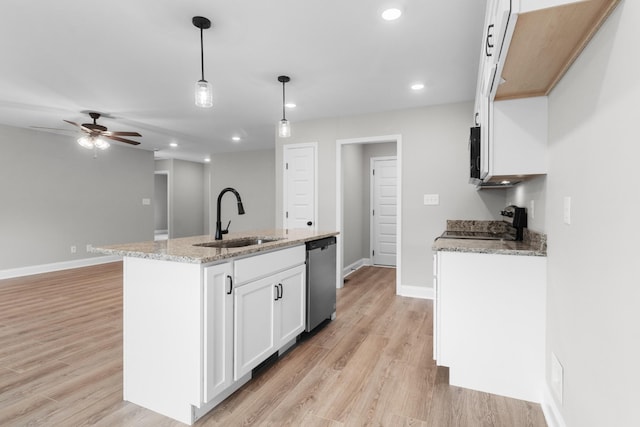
[258, 266]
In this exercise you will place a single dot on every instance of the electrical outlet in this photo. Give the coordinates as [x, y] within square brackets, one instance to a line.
[146, 202]
[89, 247]
[557, 377]
[73, 249]
[432, 199]
[566, 214]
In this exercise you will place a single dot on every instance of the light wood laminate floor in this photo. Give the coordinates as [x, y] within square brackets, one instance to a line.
[61, 363]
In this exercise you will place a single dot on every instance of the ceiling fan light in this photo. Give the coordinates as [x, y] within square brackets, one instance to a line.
[101, 144]
[284, 128]
[85, 142]
[204, 94]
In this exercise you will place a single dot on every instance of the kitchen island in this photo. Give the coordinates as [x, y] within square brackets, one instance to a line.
[198, 319]
[489, 311]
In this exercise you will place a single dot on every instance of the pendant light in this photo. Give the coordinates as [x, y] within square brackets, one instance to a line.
[204, 90]
[284, 128]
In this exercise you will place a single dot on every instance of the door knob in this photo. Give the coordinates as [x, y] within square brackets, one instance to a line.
[309, 223]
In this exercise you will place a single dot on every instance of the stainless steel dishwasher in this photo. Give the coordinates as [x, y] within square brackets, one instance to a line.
[321, 281]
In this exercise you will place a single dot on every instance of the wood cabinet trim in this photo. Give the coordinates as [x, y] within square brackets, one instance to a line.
[546, 42]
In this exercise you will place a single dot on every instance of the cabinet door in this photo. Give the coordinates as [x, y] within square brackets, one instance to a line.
[254, 334]
[218, 330]
[290, 310]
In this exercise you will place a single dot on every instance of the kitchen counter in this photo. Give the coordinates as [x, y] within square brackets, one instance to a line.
[533, 244]
[183, 249]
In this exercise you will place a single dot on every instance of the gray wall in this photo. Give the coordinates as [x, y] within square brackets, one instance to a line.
[593, 271]
[353, 204]
[54, 194]
[187, 190]
[186, 197]
[252, 174]
[160, 201]
[434, 156]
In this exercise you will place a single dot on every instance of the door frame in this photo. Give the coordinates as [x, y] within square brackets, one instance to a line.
[340, 216]
[371, 203]
[285, 149]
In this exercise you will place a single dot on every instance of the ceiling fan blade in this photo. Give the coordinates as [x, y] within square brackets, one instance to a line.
[126, 141]
[80, 126]
[58, 129]
[109, 133]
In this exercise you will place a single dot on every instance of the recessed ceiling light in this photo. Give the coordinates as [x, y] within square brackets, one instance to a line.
[417, 86]
[235, 138]
[173, 144]
[391, 14]
[290, 105]
[207, 160]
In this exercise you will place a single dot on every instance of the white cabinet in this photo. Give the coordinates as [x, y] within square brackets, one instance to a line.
[193, 332]
[218, 330]
[269, 313]
[254, 324]
[291, 307]
[527, 47]
[489, 322]
[516, 143]
[270, 305]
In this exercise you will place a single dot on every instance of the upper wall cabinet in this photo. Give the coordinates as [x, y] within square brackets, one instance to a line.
[536, 41]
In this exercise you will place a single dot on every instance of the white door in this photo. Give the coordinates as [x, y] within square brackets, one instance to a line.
[300, 191]
[383, 210]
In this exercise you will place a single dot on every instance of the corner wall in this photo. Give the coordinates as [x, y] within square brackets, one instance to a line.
[54, 195]
[593, 271]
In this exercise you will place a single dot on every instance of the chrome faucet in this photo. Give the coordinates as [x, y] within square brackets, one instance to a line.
[219, 230]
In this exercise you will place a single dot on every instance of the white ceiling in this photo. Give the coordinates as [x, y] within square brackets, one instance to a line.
[137, 61]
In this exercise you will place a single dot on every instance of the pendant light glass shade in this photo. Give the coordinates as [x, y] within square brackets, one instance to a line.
[85, 142]
[90, 142]
[204, 94]
[284, 128]
[101, 144]
[204, 90]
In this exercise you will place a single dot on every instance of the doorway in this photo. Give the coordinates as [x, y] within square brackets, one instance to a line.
[161, 205]
[345, 201]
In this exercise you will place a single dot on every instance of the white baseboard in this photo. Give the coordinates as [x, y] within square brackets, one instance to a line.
[415, 291]
[56, 266]
[552, 414]
[355, 265]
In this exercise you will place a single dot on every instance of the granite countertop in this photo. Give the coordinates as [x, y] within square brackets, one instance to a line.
[183, 249]
[533, 243]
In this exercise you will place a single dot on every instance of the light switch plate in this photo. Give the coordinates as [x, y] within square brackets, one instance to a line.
[431, 199]
[146, 202]
[566, 215]
[532, 209]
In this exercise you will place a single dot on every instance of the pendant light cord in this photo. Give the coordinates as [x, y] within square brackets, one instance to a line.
[283, 115]
[201, 53]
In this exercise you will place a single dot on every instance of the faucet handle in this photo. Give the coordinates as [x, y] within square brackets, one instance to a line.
[226, 230]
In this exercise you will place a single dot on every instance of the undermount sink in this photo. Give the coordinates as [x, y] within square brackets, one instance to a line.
[238, 243]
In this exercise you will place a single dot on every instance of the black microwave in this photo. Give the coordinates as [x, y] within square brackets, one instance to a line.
[474, 155]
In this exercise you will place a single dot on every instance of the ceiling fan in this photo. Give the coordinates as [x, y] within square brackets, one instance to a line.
[95, 133]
